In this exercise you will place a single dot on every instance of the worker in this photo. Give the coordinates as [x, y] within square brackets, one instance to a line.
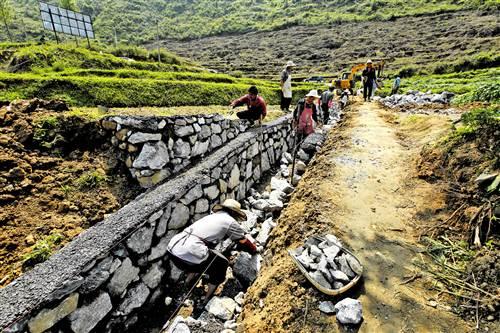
[326, 100]
[306, 114]
[286, 86]
[344, 98]
[396, 85]
[192, 250]
[369, 76]
[256, 106]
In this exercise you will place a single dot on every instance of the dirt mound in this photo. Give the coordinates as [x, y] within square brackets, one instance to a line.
[56, 179]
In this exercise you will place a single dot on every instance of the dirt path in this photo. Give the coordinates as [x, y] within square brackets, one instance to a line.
[360, 187]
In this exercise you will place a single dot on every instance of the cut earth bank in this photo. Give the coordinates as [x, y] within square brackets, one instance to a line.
[362, 187]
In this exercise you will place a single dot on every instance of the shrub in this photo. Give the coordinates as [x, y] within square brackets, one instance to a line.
[91, 179]
[42, 250]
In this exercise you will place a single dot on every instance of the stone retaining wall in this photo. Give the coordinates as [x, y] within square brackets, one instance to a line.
[155, 148]
[105, 277]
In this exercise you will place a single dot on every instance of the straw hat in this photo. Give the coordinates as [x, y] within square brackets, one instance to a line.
[369, 61]
[290, 64]
[313, 93]
[234, 206]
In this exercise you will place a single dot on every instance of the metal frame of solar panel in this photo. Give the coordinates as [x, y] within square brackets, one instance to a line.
[66, 21]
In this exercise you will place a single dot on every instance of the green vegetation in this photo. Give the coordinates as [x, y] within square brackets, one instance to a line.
[42, 250]
[475, 85]
[84, 77]
[6, 13]
[135, 21]
[91, 179]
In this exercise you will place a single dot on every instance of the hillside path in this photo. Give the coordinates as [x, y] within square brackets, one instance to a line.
[361, 188]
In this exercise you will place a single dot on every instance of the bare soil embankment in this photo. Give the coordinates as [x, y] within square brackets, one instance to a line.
[363, 187]
[57, 178]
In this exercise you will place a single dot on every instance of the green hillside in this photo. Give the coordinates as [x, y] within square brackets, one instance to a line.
[135, 20]
[98, 77]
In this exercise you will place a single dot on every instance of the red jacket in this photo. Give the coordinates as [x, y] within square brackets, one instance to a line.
[257, 104]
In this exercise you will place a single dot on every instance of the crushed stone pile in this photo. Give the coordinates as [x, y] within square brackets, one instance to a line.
[416, 98]
[327, 263]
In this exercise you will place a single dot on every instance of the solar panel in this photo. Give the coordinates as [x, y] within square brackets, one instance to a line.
[66, 21]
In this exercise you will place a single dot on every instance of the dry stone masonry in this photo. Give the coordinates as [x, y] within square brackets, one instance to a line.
[109, 275]
[155, 148]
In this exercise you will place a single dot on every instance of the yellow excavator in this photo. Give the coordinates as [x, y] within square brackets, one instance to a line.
[348, 80]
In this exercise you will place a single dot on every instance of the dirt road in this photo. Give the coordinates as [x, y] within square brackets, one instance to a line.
[361, 187]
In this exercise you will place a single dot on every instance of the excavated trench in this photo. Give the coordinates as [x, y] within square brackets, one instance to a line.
[185, 314]
[114, 276]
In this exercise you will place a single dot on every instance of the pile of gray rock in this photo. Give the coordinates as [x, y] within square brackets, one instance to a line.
[327, 263]
[417, 98]
[348, 311]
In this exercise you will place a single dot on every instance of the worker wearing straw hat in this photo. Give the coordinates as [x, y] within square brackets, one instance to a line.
[369, 76]
[286, 86]
[305, 114]
[192, 250]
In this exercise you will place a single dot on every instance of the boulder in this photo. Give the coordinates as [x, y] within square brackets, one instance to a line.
[140, 137]
[261, 204]
[318, 277]
[250, 222]
[182, 148]
[281, 185]
[47, 318]
[221, 307]
[234, 178]
[300, 167]
[284, 171]
[153, 156]
[327, 307]
[85, 318]
[179, 217]
[153, 276]
[200, 148]
[349, 311]
[331, 252]
[265, 231]
[193, 194]
[344, 266]
[182, 131]
[288, 157]
[332, 240]
[303, 156]
[295, 180]
[354, 264]
[140, 241]
[134, 299]
[340, 276]
[122, 277]
[246, 268]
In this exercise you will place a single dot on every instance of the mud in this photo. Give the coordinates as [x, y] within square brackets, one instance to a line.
[363, 188]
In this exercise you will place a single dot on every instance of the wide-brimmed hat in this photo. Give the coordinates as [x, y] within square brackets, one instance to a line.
[313, 93]
[232, 205]
[369, 61]
[290, 64]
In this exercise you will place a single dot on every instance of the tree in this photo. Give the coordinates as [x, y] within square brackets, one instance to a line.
[6, 14]
[68, 4]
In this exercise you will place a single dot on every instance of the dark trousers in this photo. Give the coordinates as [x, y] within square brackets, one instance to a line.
[249, 114]
[216, 272]
[285, 102]
[326, 114]
[394, 90]
[367, 90]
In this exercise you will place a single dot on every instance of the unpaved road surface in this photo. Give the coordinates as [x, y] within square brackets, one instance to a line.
[361, 187]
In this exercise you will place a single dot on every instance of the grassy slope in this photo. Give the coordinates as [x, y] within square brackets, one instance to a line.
[88, 78]
[135, 21]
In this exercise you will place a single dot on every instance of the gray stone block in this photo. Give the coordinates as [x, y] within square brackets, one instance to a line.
[153, 276]
[153, 156]
[134, 299]
[84, 319]
[140, 137]
[122, 277]
[140, 241]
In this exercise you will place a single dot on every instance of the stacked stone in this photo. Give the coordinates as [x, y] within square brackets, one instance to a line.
[327, 263]
[154, 148]
[105, 278]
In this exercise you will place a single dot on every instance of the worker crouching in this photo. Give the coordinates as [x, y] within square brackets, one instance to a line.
[192, 250]
[256, 106]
